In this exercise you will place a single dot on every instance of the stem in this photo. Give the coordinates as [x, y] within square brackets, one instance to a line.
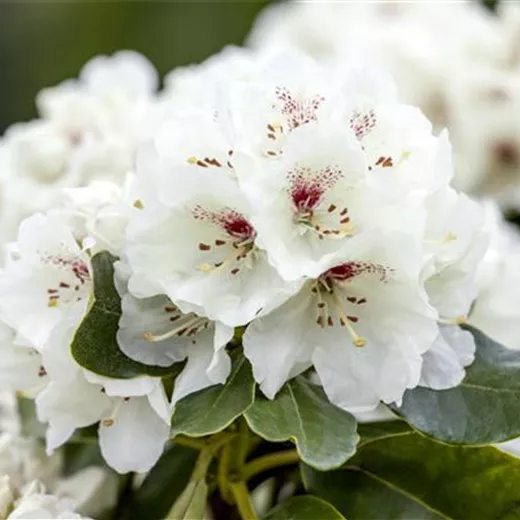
[190, 442]
[270, 461]
[222, 475]
[243, 500]
[199, 474]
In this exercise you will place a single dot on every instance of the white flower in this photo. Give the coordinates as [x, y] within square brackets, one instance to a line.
[461, 71]
[316, 197]
[51, 275]
[133, 413]
[100, 211]
[156, 332]
[221, 272]
[444, 362]
[364, 324]
[36, 504]
[132, 436]
[497, 308]
[456, 241]
[89, 129]
[24, 460]
[21, 367]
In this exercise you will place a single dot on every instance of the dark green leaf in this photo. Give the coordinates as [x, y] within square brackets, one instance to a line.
[213, 409]
[325, 436]
[370, 432]
[483, 409]
[304, 508]
[95, 345]
[408, 476]
[164, 483]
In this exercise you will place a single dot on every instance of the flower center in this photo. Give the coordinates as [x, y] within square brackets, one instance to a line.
[74, 283]
[333, 307]
[307, 190]
[298, 111]
[236, 240]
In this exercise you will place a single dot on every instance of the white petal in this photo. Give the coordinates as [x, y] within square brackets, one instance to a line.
[69, 405]
[206, 366]
[444, 362]
[275, 344]
[135, 386]
[136, 439]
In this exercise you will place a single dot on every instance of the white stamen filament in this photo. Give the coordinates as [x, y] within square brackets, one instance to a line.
[457, 320]
[112, 419]
[357, 340]
[448, 237]
[239, 251]
[189, 324]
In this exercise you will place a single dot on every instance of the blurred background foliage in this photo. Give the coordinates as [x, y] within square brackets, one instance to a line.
[43, 43]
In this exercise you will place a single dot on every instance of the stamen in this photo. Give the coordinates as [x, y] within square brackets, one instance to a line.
[110, 421]
[457, 320]
[448, 237]
[192, 323]
[345, 322]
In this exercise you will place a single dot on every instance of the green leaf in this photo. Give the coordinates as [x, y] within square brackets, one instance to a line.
[408, 476]
[483, 409]
[303, 508]
[211, 410]
[371, 432]
[164, 483]
[325, 436]
[94, 345]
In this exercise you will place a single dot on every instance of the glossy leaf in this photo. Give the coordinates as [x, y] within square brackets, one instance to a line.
[408, 476]
[325, 436]
[212, 409]
[164, 483]
[304, 507]
[95, 345]
[483, 409]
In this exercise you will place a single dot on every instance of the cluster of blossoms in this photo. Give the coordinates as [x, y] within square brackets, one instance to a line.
[302, 203]
[457, 61]
[88, 130]
[32, 484]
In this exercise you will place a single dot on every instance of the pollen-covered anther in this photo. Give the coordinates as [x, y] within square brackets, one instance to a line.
[206, 162]
[457, 320]
[346, 322]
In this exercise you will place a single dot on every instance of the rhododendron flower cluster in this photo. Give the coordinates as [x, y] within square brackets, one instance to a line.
[299, 209]
[457, 61]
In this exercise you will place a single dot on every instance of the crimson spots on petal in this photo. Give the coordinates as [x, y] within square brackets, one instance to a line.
[349, 270]
[307, 186]
[298, 111]
[362, 123]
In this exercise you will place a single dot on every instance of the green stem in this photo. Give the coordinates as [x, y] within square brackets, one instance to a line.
[190, 442]
[270, 461]
[243, 500]
[222, 475]
[198, 475]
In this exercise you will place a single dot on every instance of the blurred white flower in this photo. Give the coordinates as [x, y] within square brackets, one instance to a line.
[89, 130]
[457, 61]
[35, 503]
